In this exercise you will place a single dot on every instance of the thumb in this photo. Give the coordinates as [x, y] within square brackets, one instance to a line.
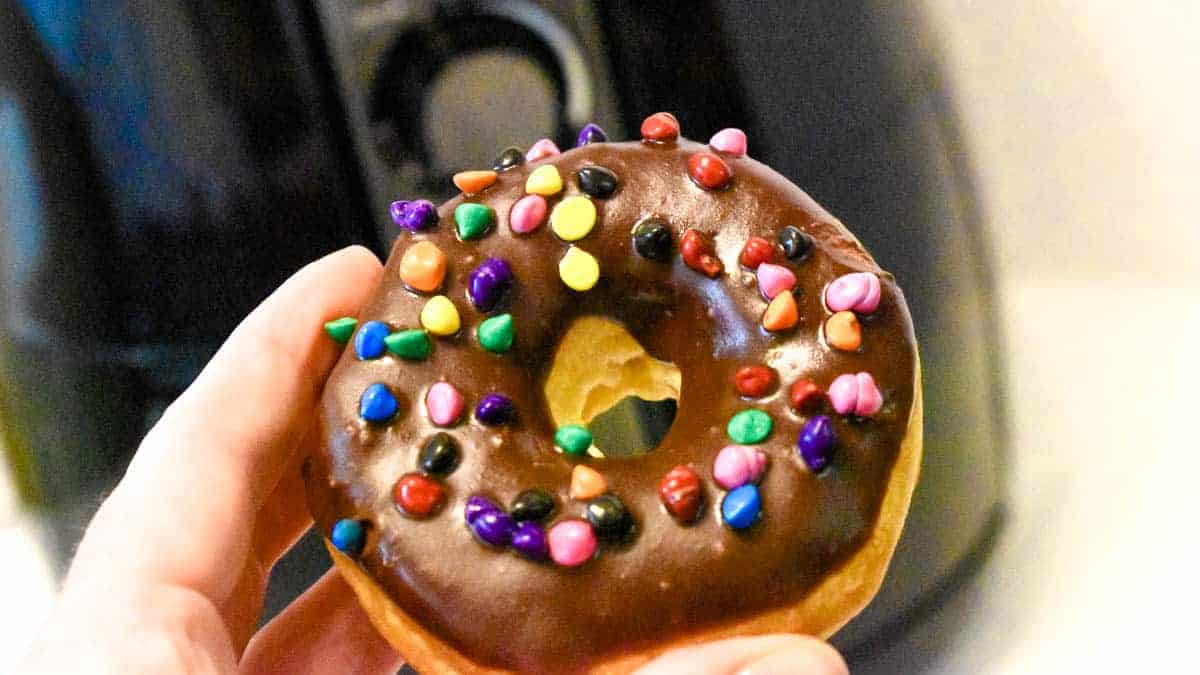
[762, 655]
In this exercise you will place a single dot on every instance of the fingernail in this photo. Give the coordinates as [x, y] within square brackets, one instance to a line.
[813, 658]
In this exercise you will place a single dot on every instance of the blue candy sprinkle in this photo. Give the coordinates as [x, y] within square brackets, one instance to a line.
[368, 342]
[741, 507]
[349, 537]
[377, 404]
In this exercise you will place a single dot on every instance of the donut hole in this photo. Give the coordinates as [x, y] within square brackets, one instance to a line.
[604, 379]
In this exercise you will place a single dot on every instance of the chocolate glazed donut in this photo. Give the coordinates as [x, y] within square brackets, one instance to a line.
[482, 537]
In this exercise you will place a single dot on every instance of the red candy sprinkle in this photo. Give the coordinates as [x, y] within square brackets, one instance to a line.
[418, 495]
[756, 252]
[709, 171]
[660, 128]
[754, 381]
[698, 253]
[681, 493]
[805, 395]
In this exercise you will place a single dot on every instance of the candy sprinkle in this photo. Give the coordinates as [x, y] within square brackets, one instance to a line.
[340, 330]
[509, 158]
[348, 536]
[805, 395]
[476, 506]
[532, 504]
[495, 409]
[842, 331]
[794, 242]
[410, 345]
[573, 218]
[749, 427]
[541, 150]
[488, 283]
[473, 220]
[755, 252]
[377, 404]
[579, 269]
[754, 381]
[775, 279]
[439, 455]
[586, 483]
[816, 443]
[492, 526]
[698, 253]
[414, 216]
[527, 214]
[369, 342]
[858, 292]
[444, 404]
[423, 267]
[652, 240]
[496, 333]
[609, 518]
[741, 507]
[572, 542]
[417, 495]
[661, 127]
[730, 141]
[529, 539]
[440, 317]
[682, 493]
[573, 439]
[545, 181]
[709, 171]
[737, 465]
[855, 395]
[782, 314]
[597, 181]
[590, 133]
[474, 182]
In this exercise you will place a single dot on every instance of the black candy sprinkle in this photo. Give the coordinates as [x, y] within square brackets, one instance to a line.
[532, 505]
[597, 181]
[440, 454]
[652, 240]
[609, 518]
[795, 243]
[508, 158]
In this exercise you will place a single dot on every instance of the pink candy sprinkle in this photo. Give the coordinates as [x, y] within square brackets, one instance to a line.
[527, 214]
[572, 542]
[855, 394]
[541, 150]
[737, 465]
[732, 141]
[774, 279]
[858, 292]
[444, 404]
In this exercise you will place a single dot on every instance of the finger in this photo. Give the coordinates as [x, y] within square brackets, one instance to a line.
[324, 631]
[184, 512]
[808, 656]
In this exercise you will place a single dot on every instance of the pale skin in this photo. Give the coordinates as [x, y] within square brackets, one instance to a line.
[170, 575]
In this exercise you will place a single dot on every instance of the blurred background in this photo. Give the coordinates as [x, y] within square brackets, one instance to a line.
[1026, 169]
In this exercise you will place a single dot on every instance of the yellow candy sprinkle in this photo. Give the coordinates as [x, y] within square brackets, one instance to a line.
[573, 218]
[579, 269]
[544, 181]
[439, 316]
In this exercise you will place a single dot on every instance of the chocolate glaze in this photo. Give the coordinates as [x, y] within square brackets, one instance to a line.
[505, 611]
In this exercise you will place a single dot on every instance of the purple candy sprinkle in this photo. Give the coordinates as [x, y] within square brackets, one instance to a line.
[816, 442]
[488, 282]
[414, 216]
[590, 133]
[477, 505]
[530, 541]
[494, 528]
[495, 409]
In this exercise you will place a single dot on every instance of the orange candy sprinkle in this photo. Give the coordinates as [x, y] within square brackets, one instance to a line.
[782, 313]
[474, 182]
[423, 267]
[587, 483]
[842, 331]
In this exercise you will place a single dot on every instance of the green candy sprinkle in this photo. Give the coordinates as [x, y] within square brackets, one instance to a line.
[473, 220]
[749, 426]
[341, 329]
[496, 333]
[412, 344]
[574, 439]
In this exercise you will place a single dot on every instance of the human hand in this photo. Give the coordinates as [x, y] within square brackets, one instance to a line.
[171, 572]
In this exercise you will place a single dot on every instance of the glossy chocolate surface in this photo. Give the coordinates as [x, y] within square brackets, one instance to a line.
[665, 579]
